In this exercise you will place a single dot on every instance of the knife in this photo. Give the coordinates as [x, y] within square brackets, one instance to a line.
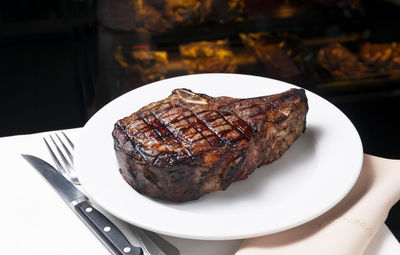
[105, 230]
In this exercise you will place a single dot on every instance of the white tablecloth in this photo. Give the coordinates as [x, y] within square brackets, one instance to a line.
[34, 220]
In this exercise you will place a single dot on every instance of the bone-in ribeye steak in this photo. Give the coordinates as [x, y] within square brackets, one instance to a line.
[189, 144]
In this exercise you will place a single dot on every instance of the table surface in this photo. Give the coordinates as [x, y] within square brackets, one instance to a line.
[37, 221]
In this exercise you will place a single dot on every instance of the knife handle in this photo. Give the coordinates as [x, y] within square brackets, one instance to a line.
[107, 232]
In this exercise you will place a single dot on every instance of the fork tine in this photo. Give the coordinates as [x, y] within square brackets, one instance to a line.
[68, 140]
[66, 162]
[71, 157]
[54, 157]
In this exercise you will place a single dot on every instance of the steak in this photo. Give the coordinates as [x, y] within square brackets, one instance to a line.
[190, 144]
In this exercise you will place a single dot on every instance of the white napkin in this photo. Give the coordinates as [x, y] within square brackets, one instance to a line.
[349, 227]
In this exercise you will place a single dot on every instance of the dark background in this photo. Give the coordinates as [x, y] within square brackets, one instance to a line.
[48, 54]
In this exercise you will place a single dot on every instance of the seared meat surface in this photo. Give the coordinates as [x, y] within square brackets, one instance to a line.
[190, 144]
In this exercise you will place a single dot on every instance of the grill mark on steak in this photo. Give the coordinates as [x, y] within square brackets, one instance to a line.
[164, 110]
[240, 125]
[204, 124]
[138, 148]
[150, 126]
[234, 129]
[209, 121]
[171, 134]
[185, 117]
[185, 127]
[199, 131]
[161, 128]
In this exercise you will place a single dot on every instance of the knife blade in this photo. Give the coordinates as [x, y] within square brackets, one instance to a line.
[104, 229]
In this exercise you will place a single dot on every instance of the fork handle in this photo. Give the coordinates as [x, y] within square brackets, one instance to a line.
[106, 231]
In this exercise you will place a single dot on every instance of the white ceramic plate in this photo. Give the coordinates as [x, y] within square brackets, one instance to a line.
[310, 178]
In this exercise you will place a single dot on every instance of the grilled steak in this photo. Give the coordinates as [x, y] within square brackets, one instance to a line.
[189, 144]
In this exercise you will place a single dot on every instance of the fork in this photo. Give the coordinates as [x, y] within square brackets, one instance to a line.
[151, 242]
